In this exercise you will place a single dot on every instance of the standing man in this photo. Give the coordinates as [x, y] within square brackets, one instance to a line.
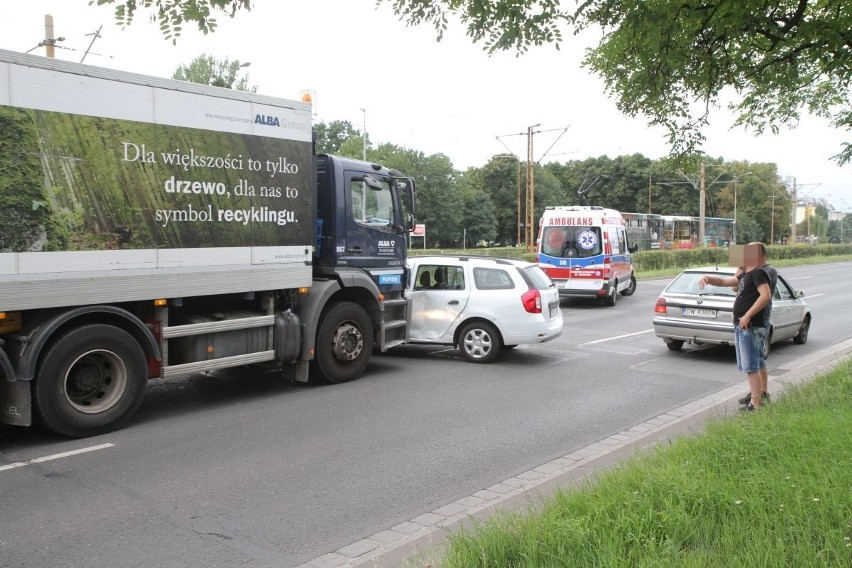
[773, 283]
[751, 316]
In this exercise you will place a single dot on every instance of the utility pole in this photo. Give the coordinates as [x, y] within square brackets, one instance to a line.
[95, 36]
[530, 218]
[518, 223]
[701, 208]
[649, 194]
[49, 38]
[793, 207]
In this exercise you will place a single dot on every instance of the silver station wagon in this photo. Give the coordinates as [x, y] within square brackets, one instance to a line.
[481, 305]
[687, 314]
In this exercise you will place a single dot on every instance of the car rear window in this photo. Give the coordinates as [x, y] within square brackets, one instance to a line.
[687, 283]
[492, 279]
[536, 278]
[570, 242]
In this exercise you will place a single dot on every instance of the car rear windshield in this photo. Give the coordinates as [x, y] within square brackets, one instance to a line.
[536, 278]
[570, 242]
[687, 283]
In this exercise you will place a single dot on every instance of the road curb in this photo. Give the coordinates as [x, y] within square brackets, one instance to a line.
[426, 532]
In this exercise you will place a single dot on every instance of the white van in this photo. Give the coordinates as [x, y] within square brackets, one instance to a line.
[585, 251]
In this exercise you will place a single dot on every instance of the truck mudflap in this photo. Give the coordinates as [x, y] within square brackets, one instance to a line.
[15, 395]
[15, 398]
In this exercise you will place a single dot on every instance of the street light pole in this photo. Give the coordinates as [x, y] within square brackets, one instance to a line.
[364, 136]
[735, 209]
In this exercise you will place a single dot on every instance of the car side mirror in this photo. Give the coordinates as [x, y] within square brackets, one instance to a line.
[634, 248]
[800, 294]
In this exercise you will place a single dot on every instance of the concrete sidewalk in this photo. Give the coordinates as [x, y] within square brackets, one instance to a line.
[425, 533]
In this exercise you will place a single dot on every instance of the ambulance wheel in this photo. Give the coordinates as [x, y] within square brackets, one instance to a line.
[344, 343]
[90, 381]
[612, 297]
[630, 287]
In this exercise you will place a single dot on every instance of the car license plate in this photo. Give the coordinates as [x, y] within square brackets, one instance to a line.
[699, 313]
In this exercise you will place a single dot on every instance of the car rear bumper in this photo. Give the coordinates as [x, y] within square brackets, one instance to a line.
[537, 334]
[694, 332]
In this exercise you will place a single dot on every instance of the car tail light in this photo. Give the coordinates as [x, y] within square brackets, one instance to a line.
[532, 301]
[660, 308]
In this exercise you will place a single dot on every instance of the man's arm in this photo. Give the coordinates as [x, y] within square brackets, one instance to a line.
[717, 281]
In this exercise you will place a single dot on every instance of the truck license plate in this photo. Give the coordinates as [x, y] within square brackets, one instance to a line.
[699, 313]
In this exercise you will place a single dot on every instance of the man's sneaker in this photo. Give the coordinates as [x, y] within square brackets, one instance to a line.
[764, 398]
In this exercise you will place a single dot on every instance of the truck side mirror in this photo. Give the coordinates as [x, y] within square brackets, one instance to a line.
[372, 183]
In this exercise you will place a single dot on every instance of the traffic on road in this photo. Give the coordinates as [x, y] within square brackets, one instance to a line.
[237, 467]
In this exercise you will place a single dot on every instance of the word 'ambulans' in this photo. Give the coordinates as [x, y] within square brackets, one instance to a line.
[585, 251]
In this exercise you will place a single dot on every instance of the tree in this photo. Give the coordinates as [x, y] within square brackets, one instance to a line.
[478, 220]
[172, 14]
[332, 136]
[499, 179]
[439, 201]
[208, 70]
[675, 61]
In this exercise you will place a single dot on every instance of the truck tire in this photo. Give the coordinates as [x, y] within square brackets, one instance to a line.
[90, 381]
[344, 343]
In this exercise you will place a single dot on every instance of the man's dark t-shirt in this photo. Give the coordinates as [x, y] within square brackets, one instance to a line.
[749, 282]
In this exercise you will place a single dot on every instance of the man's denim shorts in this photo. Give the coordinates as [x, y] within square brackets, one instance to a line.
[749, 345]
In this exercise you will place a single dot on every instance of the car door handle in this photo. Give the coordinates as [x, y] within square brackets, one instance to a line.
[453, 303]
[356, 250]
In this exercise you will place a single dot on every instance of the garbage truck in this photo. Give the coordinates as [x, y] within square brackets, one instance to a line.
[153, 228]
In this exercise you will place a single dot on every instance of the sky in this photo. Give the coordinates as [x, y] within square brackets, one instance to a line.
[364, 65]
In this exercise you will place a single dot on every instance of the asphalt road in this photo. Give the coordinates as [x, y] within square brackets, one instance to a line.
[241, 469]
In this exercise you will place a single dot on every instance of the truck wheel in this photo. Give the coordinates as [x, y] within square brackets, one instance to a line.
[479, 342]
[344, 343]
[630, 287]
[90, 381]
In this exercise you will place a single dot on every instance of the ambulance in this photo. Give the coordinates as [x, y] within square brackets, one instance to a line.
[586, 252]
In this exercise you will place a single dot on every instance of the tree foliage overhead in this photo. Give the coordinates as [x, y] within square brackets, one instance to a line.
[670, 61]
[172, 14]
[675, 61]
[209, 70]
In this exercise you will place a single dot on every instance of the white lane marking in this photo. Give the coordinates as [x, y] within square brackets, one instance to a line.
[616, 337]
[55, 457]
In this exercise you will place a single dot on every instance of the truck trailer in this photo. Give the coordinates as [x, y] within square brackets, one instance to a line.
[152, 228]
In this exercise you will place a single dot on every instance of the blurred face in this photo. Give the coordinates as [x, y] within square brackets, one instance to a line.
[736, 255]
[744, 255]
[752, 255]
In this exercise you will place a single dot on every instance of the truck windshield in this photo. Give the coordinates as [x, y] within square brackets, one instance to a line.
[372, 207]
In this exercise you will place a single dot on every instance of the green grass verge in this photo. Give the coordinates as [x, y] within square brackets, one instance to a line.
[771, 488]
